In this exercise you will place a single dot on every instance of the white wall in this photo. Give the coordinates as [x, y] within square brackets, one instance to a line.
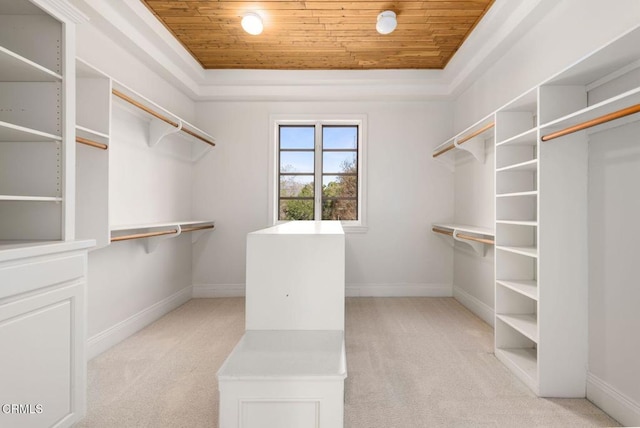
[406, 193]
[473, 275]
[127, 287]
[569, 32]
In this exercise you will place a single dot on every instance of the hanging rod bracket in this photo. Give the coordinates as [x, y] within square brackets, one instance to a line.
[159, 129]
[478, 247]
[151, 244]
[474, 145]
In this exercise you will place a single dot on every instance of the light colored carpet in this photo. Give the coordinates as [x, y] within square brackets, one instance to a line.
[412, 362]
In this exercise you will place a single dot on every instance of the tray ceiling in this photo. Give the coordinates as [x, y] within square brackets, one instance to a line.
[320, 35]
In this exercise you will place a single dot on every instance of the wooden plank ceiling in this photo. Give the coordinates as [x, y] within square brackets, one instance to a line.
[320, 34]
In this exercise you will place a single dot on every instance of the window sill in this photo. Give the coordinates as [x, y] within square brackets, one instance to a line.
[355, 228]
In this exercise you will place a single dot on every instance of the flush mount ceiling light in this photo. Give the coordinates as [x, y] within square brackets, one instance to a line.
[252, 23]
[386, 22]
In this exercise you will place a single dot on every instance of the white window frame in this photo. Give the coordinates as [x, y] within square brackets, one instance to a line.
[349, 226]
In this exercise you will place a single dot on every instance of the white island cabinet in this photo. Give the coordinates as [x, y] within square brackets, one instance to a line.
[289, 368]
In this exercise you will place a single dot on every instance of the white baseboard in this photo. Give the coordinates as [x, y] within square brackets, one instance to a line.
[481, 309]
[398, 290]
[352, 290]
[613, 402]
[104, 340]
[218, 290]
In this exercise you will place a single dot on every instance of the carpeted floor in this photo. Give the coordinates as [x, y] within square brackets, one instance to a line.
[412, 362]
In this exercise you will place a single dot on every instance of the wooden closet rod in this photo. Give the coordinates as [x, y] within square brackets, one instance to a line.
[91, 143]
[464, 139]
[159, 116]
[144, 235]
[593, 122]
[473, 238]
[444, 232]
[191, 229]
[159, 233]
[463, 236]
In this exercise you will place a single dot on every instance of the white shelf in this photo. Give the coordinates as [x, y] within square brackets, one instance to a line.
[30, 198]
[523, 362]
[16, 133]
[83, 131]
[525, 251]
[531, 165]
[518, 222]
[15, 68]
[134, 227]
[527, 288]
[466, 228]
[516, 194]
[525, 324]
[527, 138]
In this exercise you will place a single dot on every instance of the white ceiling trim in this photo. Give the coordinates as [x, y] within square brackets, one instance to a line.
[131, 21]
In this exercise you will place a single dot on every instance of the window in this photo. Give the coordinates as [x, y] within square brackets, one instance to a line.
[318, 171]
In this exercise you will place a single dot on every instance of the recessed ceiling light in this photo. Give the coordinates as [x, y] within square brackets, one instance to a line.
[386, 22]
[252, 23]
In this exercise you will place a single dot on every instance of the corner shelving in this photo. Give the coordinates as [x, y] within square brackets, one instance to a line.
[516, 261]
[541, 213]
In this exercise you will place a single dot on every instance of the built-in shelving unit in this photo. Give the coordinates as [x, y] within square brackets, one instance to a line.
[97, 96]
[471, 140]
[33, 128]
[516, 326]
[541, 213]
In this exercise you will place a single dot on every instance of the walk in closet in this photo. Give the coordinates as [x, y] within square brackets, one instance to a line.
[497, 193]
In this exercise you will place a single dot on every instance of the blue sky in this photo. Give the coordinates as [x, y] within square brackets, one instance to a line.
[303, 137]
